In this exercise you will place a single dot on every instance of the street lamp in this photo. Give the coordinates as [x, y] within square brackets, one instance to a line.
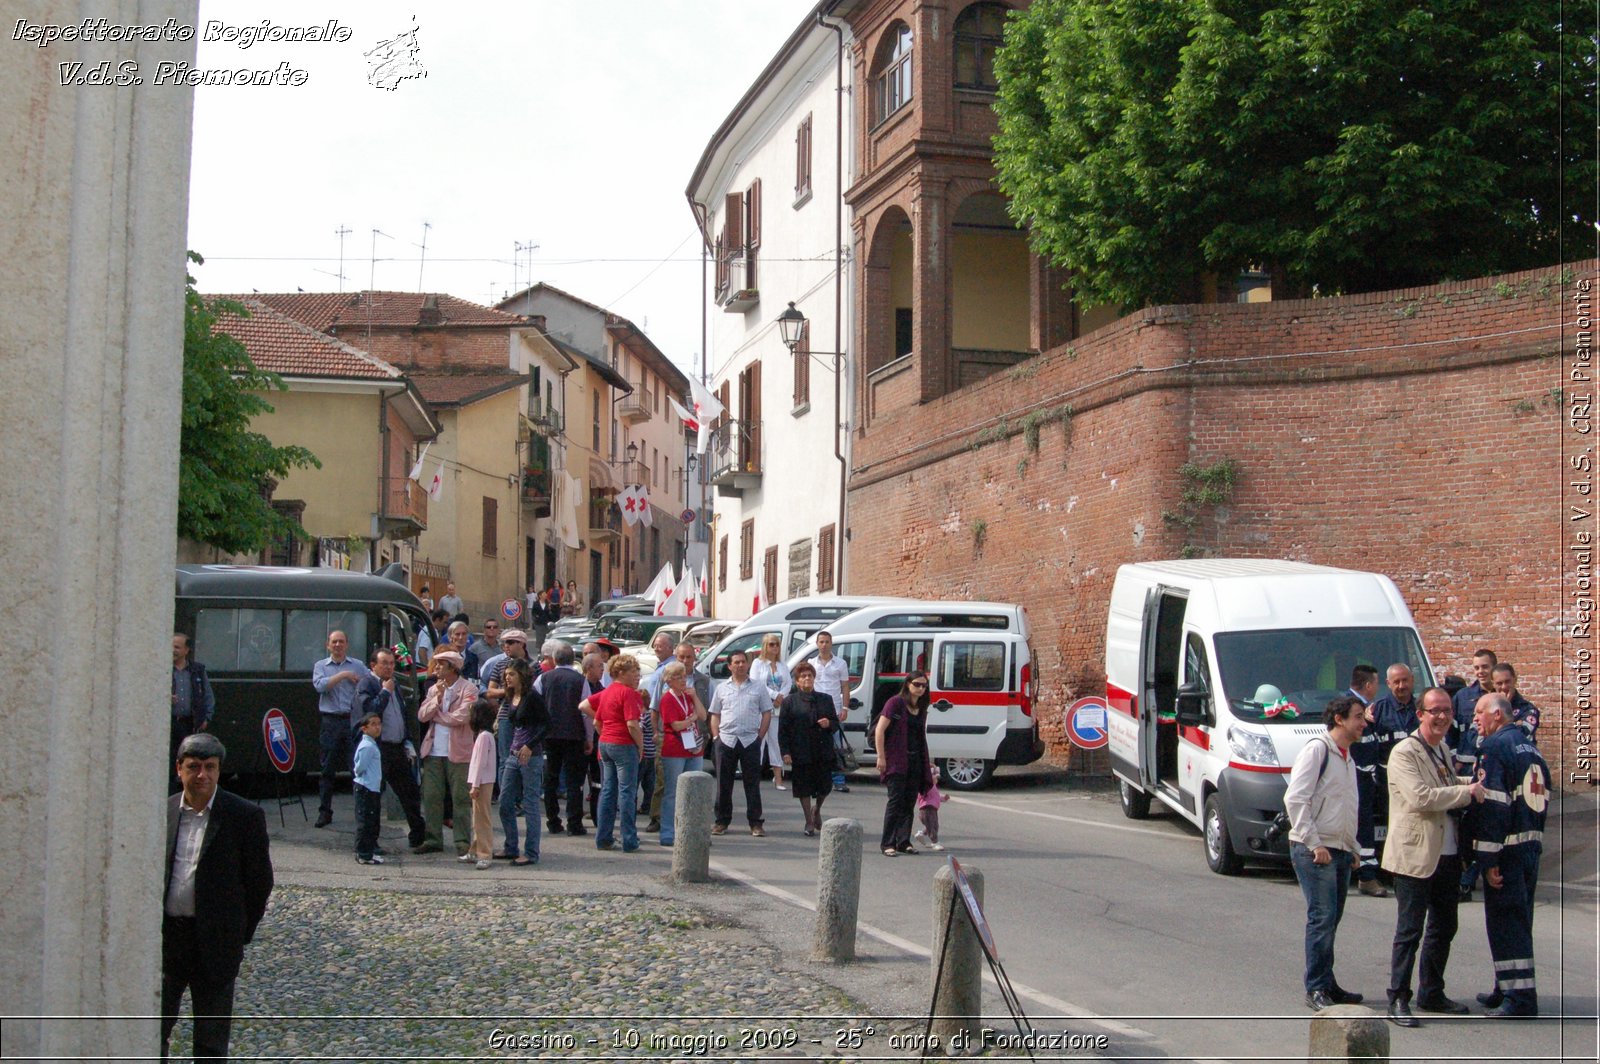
[791, 324]
[791, 327]
[633, 451]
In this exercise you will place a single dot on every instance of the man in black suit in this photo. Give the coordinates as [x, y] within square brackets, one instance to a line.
[218, 879]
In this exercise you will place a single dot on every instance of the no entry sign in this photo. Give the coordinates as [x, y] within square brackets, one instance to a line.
[277, 735]
[1086, 723]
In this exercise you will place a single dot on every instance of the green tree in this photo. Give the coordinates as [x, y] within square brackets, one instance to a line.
[222, 465]
[1350, 145]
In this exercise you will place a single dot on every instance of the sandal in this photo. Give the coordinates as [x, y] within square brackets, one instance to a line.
[520, 861]
[890, 851]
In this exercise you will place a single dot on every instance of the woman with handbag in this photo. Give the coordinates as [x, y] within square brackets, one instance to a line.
[807, 724]
[683, 737]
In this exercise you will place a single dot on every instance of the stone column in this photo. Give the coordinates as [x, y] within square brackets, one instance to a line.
[1053, 319]
[95, 180]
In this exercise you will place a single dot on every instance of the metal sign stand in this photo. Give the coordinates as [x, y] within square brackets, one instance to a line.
[1007, 993]
[278, 771]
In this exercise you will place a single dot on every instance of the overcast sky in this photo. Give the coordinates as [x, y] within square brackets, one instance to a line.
[570, 124]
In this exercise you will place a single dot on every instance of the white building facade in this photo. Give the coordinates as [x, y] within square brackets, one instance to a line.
[768, 196]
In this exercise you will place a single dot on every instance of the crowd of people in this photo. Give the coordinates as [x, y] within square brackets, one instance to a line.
[1447, 787]
[1450, 788]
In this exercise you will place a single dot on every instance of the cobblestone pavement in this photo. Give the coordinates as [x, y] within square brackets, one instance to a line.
[589, 955]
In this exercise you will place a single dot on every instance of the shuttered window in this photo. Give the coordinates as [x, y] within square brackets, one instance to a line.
[826, 548]
[747, 549]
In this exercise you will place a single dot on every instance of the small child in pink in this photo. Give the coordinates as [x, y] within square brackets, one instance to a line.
[481, 772]
[928, 803]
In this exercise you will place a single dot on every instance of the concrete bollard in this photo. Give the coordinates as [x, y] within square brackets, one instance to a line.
[691, 848]
[958, 987]
[838, 891]
[1349, 1033]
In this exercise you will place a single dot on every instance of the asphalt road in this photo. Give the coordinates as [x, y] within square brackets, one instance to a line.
[1116, 927]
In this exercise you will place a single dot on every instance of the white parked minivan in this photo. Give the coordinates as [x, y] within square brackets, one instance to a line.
[983, 684]
[795, 620]
[1217, 673]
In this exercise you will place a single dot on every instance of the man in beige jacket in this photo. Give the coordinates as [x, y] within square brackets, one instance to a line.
[1424, 854]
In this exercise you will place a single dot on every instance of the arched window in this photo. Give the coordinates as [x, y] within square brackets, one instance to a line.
[891, 74]
[980, 31]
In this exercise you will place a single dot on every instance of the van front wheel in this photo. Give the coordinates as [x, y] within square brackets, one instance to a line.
[1219, 847]
[966, 773]
[1135, 802]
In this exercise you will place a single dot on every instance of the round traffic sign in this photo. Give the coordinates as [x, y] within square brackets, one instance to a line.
[511, 609]
[687, 517]
[277, 735]
[1086, 723]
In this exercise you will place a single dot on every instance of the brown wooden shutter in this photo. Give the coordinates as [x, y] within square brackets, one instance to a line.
[755, 417]
[753, 214]
[733, 223]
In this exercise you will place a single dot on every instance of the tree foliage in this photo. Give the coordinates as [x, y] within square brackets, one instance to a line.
[223, 466]
[1345, 144]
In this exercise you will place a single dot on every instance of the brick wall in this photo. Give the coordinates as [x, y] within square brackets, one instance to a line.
[433, 349]
[1414, 432]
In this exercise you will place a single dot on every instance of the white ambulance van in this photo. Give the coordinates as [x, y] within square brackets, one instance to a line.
[1217, 673]
[795, 620]
[983, 683]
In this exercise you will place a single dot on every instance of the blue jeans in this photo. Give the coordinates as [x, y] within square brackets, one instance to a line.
[524, 785]
[1324, 887]
[671, 769]
[619, 789]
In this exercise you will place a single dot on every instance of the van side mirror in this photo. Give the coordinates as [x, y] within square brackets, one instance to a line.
[1193, 705]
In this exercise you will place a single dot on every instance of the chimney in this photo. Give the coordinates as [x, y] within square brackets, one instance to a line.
[430, 314]
[538, 322]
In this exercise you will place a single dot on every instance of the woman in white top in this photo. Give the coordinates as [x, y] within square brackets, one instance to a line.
[769, 670]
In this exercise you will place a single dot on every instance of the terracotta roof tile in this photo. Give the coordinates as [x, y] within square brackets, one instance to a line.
[322, 310]
[280, 344]
[466, 386]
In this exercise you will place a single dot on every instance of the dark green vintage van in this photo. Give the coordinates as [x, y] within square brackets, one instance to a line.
[259, 629]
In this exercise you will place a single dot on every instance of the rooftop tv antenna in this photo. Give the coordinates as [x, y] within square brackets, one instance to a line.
[518, 247]
[424, 260]
[341, 233]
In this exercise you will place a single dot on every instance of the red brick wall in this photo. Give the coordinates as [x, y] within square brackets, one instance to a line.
[1414, 433]
[434, 349]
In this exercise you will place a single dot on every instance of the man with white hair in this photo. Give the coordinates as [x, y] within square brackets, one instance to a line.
[1508, 839]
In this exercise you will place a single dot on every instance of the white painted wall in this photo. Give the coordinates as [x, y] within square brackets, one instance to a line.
[799, 491]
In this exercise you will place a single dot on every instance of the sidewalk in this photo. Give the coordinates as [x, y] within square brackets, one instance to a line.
[590, 954]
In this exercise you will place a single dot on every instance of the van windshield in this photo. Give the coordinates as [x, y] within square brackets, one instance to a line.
[1306, 667]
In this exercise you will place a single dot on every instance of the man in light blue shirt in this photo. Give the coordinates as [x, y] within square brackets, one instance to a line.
[741, 712]
[336, 678]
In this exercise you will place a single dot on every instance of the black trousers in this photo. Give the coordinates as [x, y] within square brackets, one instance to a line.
[398, 777]
[1427, 917]
[212, 1002]
[746, 759]
[902, 807]
[1366, 832]
[568, 755]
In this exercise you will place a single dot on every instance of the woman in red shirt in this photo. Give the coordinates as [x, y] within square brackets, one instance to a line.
[615, 711]
[683, 739]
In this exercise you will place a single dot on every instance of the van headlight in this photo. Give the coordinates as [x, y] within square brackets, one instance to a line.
[1251, 747]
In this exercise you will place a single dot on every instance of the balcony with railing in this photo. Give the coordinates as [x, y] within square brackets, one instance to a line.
[545, 421]
[536, 492]
[405, 506]
[635, 407]
[736, 456]
[605, 520]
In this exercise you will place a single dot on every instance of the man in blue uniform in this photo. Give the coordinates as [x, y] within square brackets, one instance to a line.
[1524, 714]
[1466, 702]
[1508, 838]
[1364, 754]
[1392, 717]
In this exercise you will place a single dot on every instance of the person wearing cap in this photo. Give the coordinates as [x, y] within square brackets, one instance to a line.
[446, 752]
[218, 880]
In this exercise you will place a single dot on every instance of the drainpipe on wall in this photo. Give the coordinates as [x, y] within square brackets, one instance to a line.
[838, 292]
